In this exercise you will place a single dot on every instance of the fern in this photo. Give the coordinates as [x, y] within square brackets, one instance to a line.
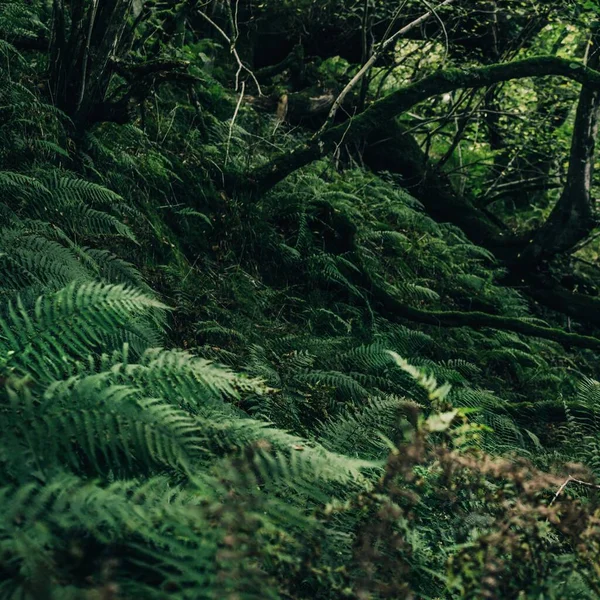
[73, 321]
[361, 430]
[437, 393]
[310, 465]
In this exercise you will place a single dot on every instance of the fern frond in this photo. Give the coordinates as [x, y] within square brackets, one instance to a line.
[357, 431]
[69, 323]
[427, 382]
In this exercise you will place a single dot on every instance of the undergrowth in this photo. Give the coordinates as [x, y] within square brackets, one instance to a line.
[203, 398]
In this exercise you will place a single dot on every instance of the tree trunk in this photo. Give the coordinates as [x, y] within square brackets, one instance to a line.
[572, 218]
[394, 150]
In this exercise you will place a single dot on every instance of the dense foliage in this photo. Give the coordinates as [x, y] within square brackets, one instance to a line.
[253, 347]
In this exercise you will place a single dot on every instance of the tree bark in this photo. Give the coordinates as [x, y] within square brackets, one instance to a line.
[572, 218]
[383, 111]
[394, 150]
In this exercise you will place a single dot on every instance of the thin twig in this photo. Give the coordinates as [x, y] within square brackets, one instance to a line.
[232, 124]
[433, 10]
[241, 65]
[365, 53]
[462, 122]
[235, 20]
[86, 53]
[506, 170]
[568, 480]
[380, 50]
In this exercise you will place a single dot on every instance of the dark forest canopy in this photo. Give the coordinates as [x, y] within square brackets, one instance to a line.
[299, 299]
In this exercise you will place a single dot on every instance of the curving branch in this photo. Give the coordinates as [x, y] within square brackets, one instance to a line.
[404, 99]
[395, 309]
[475, 320]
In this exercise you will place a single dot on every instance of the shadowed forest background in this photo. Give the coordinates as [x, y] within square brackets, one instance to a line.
[299, 300]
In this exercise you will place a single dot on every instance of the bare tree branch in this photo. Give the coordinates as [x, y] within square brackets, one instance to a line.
[232, 48]
[571, 479]
[374, 57]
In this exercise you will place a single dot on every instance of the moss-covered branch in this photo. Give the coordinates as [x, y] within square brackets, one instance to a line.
[396, 309]
[134, 71]
[582, 307]
[402, 100]
[476, 320]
